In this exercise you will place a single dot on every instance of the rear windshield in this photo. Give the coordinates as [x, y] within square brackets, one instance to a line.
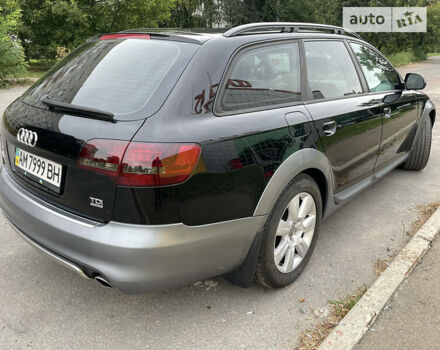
[130, 78]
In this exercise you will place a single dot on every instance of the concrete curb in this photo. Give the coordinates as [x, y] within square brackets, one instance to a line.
[355, 324]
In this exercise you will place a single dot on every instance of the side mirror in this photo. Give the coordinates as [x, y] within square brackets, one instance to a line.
[414, 81]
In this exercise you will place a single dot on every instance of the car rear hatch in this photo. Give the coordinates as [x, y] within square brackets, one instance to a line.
[65, 138]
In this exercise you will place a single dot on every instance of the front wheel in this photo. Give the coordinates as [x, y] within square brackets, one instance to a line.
[290, 233]
[418, 158]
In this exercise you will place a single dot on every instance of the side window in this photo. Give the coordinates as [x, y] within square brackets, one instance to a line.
[380, 75]
[261, 77]
[330, 70]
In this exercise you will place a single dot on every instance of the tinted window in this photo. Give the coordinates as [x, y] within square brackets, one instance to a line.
[330, 70]
[261, 77]
[119, 76]
[378, 72]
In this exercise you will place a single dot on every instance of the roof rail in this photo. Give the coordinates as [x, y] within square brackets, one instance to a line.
[286, 27]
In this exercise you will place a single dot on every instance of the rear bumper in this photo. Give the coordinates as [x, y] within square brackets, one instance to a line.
[133, 258]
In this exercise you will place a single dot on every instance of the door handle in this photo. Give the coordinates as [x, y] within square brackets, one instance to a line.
[387, 112]
[329, 128]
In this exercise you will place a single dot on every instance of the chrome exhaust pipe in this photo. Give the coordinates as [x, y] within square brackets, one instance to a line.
[101, 280]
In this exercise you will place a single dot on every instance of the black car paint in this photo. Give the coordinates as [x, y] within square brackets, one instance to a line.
[61, 138]
[239, 152]
[399, 129]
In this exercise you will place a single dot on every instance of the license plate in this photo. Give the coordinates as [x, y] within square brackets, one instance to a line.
[42, 170]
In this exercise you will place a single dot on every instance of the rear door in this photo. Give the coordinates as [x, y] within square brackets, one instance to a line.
[399, 107]
[348, 120]
[264, 82]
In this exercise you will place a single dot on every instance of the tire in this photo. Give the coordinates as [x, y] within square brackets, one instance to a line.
[269, 273]
[419, 155]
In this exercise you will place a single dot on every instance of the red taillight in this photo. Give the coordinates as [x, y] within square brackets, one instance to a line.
[158, 164]
[124, 36]
[104, 156]
[141, 164]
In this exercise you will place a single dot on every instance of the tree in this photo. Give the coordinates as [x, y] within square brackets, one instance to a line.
[386, 42]
[433, 40]
[238, 12]
[114, 15]
[49, 24]
[194, 14]
[11, 52]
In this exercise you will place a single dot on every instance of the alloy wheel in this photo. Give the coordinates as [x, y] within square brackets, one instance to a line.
[295, 232]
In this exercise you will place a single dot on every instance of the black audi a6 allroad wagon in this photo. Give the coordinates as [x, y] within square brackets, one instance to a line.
[151, 159]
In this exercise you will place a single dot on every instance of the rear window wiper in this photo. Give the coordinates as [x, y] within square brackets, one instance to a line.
[81, 111]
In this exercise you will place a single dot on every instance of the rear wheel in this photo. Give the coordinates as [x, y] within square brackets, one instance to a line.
[290, 233]
[418, 158]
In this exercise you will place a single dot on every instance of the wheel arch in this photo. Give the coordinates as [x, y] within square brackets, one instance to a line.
[321, 181]
[308, 161]
[432, 116]
[428, 112]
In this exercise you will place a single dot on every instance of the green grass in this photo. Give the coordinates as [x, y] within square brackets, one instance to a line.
[342, 307]
[406, 57]
[311, 338]
[36, 68]
[430, 54]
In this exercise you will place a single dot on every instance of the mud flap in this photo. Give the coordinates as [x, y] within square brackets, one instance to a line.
[244, 276]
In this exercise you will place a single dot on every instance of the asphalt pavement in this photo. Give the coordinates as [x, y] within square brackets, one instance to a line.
[412, 318]
[45, 306]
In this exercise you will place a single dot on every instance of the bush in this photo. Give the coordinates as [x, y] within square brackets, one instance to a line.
[11, 53]
[405, 57]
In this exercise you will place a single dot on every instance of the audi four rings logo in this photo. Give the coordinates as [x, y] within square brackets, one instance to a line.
[27, 137]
